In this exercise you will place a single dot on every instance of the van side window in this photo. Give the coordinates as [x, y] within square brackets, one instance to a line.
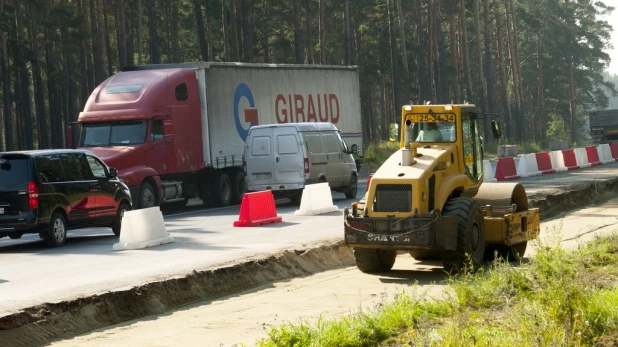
[97, 167]
[156, 133]
[287, 144]
[182, 93]
[331, 143]
[260, 146]
[314, 143]
[344, 146]
[49, 168]
[73, 168]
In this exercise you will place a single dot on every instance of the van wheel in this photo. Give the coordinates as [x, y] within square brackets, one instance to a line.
[118, 222]
[352, 188]
[221, 190]
[56, 234]
[16, 236]
[239, 187]
[147, 196]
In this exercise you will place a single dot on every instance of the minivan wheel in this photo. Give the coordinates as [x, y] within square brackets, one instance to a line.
[57, 231]
[147, 196]
[16, 236]
[118, 222]
[352, 188]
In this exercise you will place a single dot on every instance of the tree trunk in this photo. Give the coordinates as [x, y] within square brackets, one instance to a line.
[465, 52]
[39, 97]
[22, 84]
[155, 55]
[455, 77]
[322, 25]
[423, 78]
[506, 102]
[69, 96]
[298, 45]
[489, 68]
[395, 74]
[308, 32]
[246, 8]
[235, 48]
[139, 32]
[431, 49]
[83, 60]
[482, 100]
[6, 142]
[442, 62]
[540, 90]
[122, 34]
[174, 34]
[348, 33]
[52, 88]
[201, 35]
[407, 85]
[227, 55]
[517, 115]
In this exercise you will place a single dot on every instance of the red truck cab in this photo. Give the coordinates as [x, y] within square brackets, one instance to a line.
[147, 124]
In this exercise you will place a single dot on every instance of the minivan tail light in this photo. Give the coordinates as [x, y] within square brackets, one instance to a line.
[369, 180]
[33, 195]
[306, 165]
[244, 167]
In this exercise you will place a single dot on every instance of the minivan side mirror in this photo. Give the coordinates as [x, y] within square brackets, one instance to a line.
[354, 149]
[113, 172]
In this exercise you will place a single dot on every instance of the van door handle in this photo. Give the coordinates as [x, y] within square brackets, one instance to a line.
[95, 187]
[277, 159]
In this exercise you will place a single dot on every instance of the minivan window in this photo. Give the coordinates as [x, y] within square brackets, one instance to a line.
[330, 143]
[73, 168]
[49, 168]
[13, 170]
[260, 146]
[287, 144]
[97, 167]
[314, 143]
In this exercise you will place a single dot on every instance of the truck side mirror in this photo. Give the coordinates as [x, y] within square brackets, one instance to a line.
[495, 129]
[113, 172]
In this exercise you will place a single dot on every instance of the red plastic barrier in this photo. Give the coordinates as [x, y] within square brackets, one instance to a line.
[506, 170]
[614, 147]
[256, 209]
[593, 155]
[569, 159]
[543, 161]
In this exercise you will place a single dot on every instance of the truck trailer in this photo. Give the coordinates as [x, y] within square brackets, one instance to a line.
[178, 131]
[603, 126]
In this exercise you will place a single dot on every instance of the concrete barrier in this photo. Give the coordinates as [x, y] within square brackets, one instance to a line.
[557, 160]
[528, 165]
[543, 162]
[506, 170]
[488, 171]
[142, 228]
[581, 157]
[605, 154]
[317, 199]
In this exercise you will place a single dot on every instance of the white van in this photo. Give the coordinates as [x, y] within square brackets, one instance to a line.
[285, 157]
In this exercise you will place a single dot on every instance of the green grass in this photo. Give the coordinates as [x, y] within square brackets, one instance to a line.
[561, 297]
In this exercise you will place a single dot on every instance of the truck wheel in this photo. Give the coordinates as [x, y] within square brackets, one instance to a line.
[352, 188]
[56, 234]
[147, 196]
[370, 260]
[470, 234]
[221, 190]
[509, 253]
[239, 187]
[424, 254]
[204, 190]
[118, 222]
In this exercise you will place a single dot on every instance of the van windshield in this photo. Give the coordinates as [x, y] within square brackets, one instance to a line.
[13, 171]
[113, 133]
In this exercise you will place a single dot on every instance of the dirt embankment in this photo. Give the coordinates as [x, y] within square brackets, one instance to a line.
[41, 324]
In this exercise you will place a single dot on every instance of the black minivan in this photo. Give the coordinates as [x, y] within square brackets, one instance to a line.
[50, 191]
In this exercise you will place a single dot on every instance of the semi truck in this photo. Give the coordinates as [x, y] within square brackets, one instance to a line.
[603, 125]
[178, 131]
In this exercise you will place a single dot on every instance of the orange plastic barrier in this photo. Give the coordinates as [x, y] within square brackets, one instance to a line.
[543, 161]
[593, 155]
[506, 170]
[569, 159]
[257, 209]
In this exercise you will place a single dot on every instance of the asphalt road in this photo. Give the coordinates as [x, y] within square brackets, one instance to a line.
[31, 273]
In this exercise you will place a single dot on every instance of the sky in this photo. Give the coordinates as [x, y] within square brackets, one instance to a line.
[613, 52]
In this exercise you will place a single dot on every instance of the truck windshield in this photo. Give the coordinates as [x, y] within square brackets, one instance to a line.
[113, 133]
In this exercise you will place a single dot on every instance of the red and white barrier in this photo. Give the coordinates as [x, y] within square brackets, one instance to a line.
[506, 170]
[528, 165]
[488, 172]
[605, 154]
[543, 162]
[557, 161]
[581, 158]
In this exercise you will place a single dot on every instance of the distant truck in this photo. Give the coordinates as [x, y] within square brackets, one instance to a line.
[178, 131]
[604, 125]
